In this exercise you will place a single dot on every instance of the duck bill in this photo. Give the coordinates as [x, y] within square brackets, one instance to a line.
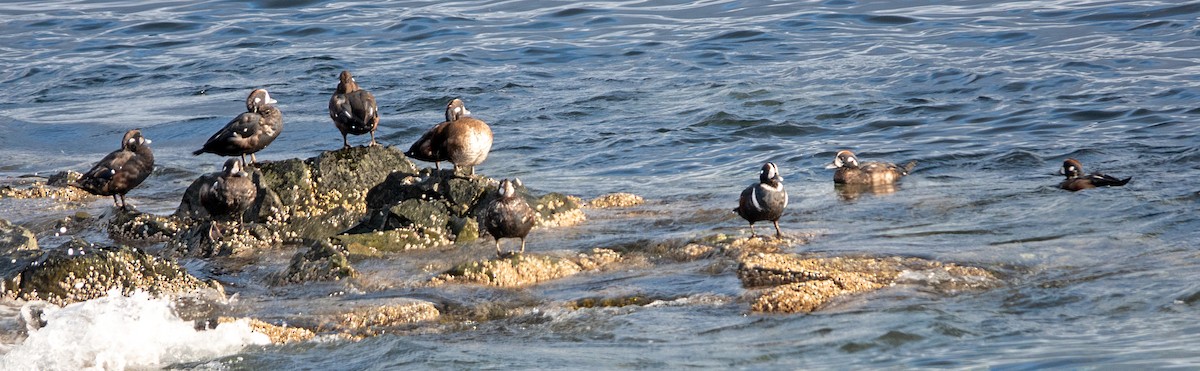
[831, 166]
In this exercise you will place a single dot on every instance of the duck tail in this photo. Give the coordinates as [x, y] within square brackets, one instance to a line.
[198, 152]
[908, 167]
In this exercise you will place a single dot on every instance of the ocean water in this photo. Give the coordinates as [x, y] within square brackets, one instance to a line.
[681, 102]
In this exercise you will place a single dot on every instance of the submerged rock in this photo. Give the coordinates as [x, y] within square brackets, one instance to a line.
[523, 269]
[15, 238]
[802, 285]
[321, 262]
[373, 317]
[78, 271]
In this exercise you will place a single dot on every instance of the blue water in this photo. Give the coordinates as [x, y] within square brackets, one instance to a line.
[681, 102]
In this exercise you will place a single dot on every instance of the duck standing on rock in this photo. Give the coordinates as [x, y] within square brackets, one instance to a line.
[765, 200]
[849, 171]
[1077, 181]
[353, 110]
[508, 216]
[230, 194]
[462, 140]
[121, 170]
[250, 131]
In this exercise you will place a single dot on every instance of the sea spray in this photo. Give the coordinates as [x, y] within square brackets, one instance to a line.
[116, 332]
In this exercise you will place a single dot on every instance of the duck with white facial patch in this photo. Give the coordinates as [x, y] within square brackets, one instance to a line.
[508, 216]
[353, 109]
[850, 171]
[462, 140]
[765, 200]
[250, 131]
[1077, 181]
[120, 171]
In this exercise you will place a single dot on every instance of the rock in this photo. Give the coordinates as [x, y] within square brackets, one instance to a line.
[524, 269]
[434, 207]
[63, 178]
[372, 317]
[277, 334]
[394, 240]
[266, 207]
[613, 200]
[37, 189]
[558, 210]
[79, 271]
[132, 225]
[322, 262]
[231, 239]
[15, 238]
[805, 284]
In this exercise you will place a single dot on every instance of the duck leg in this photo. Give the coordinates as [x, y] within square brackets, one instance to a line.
[778, 233]
[498, 253]
[522, 245]
[752, 234]
[373, 142]
[253, 160]
[345, 143]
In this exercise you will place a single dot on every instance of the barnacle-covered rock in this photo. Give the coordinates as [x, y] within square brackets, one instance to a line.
[78, 271]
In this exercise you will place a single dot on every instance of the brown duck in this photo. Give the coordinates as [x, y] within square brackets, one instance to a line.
[121, 170]
[230, 194]
[250, 131]
[353, 110]
[462, 140]
[850, 171]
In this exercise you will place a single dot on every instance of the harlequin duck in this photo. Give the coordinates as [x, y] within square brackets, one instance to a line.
[849, 171]
[121, 170]
[353, 110]
[462, 140]
[765, 200]
[508, 216]
[230, 194]
[1077, 181]
[250, 131]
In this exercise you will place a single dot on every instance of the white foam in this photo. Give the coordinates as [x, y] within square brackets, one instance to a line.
[117, 332]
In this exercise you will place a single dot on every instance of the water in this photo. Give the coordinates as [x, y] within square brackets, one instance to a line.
[681, 102]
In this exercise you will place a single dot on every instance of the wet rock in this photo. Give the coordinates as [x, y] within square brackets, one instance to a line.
[15, 238]
[266, 207]
[805, 284]
[78, 271]
[132, 225]
[36, 188]
[615, 200]
[201, 240]
[524, 269]
[370, 244]
[322, 262]
[558, 210]
[373, 317]
[434, 208]
[277, 334]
